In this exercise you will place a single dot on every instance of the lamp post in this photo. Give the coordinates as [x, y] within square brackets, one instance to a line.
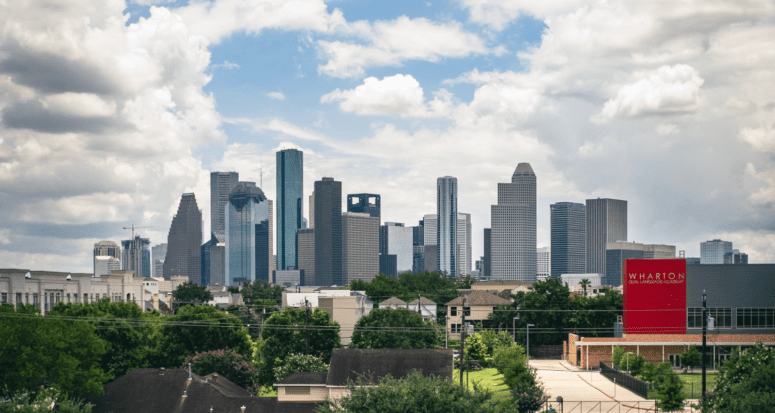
[527, 351]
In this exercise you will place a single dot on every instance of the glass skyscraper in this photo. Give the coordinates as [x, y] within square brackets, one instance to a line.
[135, 256]
[221, 184]
[248, 235]
[568, 238]
[328, 232]
[712, 252]
[606, 222]
[446, 230]
[290, 187]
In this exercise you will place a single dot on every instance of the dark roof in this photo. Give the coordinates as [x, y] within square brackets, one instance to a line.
[479, 297]
[146, 390]
[350, 364]
[423, 301]
[305, 377]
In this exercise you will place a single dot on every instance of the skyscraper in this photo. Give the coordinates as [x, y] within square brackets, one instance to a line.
[249, 251]
[568, 222]
[396, 239]
[328, 232]
[290, 209]
[221, 184]
[543, 263]
[712, 252]
[365, 203]
[136, 257]
[606, 222]
[184, 242]
[513, 224]
[487, 258]
[360, 247]
[312, 210]
[430, 249]
[159, 253]
[464, 244]
[106, 249]
[305, 254]
[418, 248]
[446, 230]
[617, 252]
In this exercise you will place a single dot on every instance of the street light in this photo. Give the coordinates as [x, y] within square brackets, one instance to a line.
[527, 352]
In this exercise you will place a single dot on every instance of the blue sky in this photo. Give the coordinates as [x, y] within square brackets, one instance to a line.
[110, 110]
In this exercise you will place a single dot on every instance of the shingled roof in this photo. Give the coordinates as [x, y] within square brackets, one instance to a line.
[304, 378]
[350, 364]
[154, 390]
[392, 301]
[423, 301]
[479, 297]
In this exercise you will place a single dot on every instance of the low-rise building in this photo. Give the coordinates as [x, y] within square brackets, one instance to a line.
[424, 307]
[477, 307]
[345, 306]
[393, 303]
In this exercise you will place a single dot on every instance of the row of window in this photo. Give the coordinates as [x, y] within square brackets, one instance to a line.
[453, 311]
[55, 297]
[722, 317]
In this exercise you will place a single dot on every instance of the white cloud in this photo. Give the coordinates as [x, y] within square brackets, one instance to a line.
[78, 104]
[669, 90]
[761, 139]
[667, 129]
[498, 14]
[276, 95]
[226, 65]
[5, 236]
[398, 95]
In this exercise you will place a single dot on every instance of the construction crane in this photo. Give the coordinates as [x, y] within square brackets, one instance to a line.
[137, 257]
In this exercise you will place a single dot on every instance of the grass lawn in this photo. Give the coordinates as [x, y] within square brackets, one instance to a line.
[485, 378]
[692, 385]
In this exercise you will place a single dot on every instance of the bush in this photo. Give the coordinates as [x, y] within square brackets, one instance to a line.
[511, 363]
[298, 362]
[529, 395]
[671, 392]
[617, 357]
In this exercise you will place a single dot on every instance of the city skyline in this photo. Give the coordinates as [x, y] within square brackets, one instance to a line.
[133, 105]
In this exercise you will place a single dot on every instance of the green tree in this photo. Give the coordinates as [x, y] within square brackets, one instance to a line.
[299, 362]
[691, 357]
[413, 393]
[128, 340]
[284, 333]
[529, 396]
[393, 328]
[746, 383]
[198, 329]
[671, 392]
[655, 373]
[190, 293]
[584, 284]
[475, 348]
[511, 362]
[42, 401]
[619, 353]
[40, 351]
[632, 363]
[256, 292]
[235, 367]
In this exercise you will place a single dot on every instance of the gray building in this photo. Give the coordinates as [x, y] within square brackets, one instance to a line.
[543, 263]
[135, 256]
[328, 232]
[104, 265]
[446, 225]
[311, 223]
[158, 254]
[606, 222]
[221, 184]
[735, 257]
[249, 250]
[184, 242]
[106, 249]
[617, 252]
[290, 209]
[713, 252]
[431, 258]
[568, 238]
[365, 203]
[287, 278]
[360, 247]
[387, 265]
[418, 248]
[218, 262]
[487, 258]
[396, 239]
[306, 255]
[465, 256]
[513, 224]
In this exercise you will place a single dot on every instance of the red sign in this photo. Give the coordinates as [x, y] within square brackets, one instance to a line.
[654, 296]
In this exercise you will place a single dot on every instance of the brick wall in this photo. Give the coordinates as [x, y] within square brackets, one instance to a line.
[572, 339]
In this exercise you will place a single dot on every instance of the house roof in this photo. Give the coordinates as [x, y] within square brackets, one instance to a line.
[147, 390]
[479, 297]
[304, 377]
[392, 301]
[350, 364]
[423, 301]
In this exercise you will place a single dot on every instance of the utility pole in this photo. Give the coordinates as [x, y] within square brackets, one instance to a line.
[462, 340]
[306, 328]
[704, 334]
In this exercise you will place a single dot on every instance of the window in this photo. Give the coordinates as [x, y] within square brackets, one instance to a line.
[755, 317]
[467, 311]
[722, 317]
[4, 298]
[297, 390]
[455, 328]
[453, 311]
[68, 297]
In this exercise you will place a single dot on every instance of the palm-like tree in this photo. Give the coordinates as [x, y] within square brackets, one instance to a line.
[584, 283]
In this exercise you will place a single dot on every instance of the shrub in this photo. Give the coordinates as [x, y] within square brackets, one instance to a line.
[227, 363]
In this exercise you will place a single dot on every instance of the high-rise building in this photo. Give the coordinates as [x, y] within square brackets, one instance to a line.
[513, 224]
[418, 248]
[360, 247]
[135, 256]
[106, 249]
[606, 222]
[364, 203]
[249, 251]
[396, 239]
[184, 242]
[464, 244]
[290, 209]
[543, 263]
[218, 262]
[568, 222]
[712, 252]
[221, 184]
[735, 257]
[328, 232]
[387, 265]
[312, 210]
[617, 252]
[487, 258]
[446, 229]
[159, 254]
[306, 254]
[104, 264]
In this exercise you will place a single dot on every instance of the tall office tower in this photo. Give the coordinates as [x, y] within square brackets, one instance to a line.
[396, 239]
[328, 232]
[606, 222]
[712, 252]
[513, 224]
[304, 223]
[464, 244]
[248, 255]
[312, 210]
[104, 264]
[305, 254]
[184, 242]
[364, 203]
[106, 249]
[221, 184]
[218, 264]
[159, 253]
[208, 267]
[290, 209]
[735, 257]
[135, 256]
[617, 252]
[418, 248]
[487, 258]
[543, 263]
[568, 222]
[360, 247]
[430, 250]
[446, 225]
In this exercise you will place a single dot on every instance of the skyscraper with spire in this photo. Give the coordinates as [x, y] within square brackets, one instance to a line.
[290, 187]
[513, 228]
